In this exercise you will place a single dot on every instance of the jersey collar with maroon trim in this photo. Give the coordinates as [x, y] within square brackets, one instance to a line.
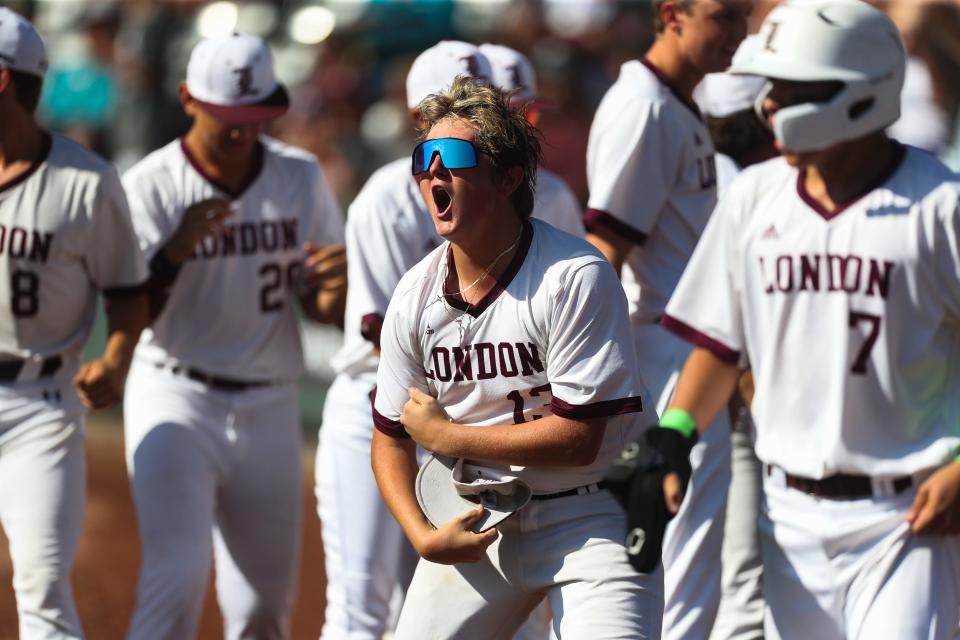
[455, 300]
[233, 194]
[44, 154]
[899, 153]
[665, 81]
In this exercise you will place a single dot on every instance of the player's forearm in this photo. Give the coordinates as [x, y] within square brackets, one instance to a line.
[705, 386]
[548, 441]
[613, 247]
[126, 318]
[395, 469]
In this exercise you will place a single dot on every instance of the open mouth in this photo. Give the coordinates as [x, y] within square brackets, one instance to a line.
[441, 199]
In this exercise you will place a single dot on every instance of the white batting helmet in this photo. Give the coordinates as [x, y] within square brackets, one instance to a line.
[844, 40]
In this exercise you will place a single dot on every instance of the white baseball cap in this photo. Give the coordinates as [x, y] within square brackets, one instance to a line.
[21, 47]
[512, 72]
[449, 487]
[723, 94]
[231, 77]
[436, 68]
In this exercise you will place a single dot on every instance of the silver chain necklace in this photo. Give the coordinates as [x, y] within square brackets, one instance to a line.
[464, 315]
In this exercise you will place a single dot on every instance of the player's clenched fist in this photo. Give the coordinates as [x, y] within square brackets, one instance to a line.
[454, 542]
[936, 509]
[100, 384]
[426, 421]
[202, 219]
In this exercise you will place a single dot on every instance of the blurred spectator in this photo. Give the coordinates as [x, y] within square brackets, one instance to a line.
[931, 95]
[80, 94]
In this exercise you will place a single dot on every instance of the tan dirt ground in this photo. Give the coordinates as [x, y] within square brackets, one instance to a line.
[105, 573]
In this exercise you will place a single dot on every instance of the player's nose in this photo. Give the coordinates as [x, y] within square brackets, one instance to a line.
[436, 167]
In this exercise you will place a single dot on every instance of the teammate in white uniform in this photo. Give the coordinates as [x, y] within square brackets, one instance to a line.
[652, 179]
[65, 233]
[388, 231]
[836, 272]
[232, 223]
[492, 328]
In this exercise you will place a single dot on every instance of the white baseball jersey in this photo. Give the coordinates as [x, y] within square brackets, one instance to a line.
[652, 179]
[850, 319]
[389, 229]
[229, 310]
[65, 232]
[534, 346]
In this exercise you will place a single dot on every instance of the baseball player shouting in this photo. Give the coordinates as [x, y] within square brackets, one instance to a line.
[652, 178]
[65, 232]
[236, 227]
[836, 272]
[389, 230]
[491, 354]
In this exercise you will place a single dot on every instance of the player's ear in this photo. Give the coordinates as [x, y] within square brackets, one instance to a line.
[670, 16]
[511, 179]
[187, 101]
[5, 79]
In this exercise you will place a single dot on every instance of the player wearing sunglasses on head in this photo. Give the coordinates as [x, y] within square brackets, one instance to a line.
[491, 353]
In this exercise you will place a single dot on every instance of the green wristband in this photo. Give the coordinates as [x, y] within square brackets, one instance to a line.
[957, 459]
[679, 420]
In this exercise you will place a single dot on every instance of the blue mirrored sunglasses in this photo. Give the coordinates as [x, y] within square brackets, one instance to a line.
[454, 154]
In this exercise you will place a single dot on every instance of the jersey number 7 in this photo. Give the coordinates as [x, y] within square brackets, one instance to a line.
[860, 362]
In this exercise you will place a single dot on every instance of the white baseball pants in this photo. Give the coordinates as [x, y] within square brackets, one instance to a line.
[852, 570]
[692, 543]
[362, 543]
[42, 493]
[567, 550]
[740, 616]
[213, 473]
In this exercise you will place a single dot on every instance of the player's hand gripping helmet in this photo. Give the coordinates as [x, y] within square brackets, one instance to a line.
[844, 40]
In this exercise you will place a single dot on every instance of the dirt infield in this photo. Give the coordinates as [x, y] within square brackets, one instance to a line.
[104, 577]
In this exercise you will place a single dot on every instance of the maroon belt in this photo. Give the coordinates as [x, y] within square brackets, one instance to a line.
[841, 486]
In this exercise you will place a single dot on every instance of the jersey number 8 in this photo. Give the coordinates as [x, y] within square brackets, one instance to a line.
[24, 294]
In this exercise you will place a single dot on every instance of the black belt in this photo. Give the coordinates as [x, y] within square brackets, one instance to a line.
[220, 383]
[842, 486]
[586, 489]
[10, 369]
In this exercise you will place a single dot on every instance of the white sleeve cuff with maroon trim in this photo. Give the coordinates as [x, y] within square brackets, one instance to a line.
[367, 322]
[592, 218]
[602, 409]
[693, 336]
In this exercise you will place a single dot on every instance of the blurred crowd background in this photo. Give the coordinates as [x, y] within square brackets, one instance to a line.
[115, 67]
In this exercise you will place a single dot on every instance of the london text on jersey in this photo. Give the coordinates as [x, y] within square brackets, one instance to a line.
[503, 359]
[829, 272]
[247, 238]
[28, 244]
